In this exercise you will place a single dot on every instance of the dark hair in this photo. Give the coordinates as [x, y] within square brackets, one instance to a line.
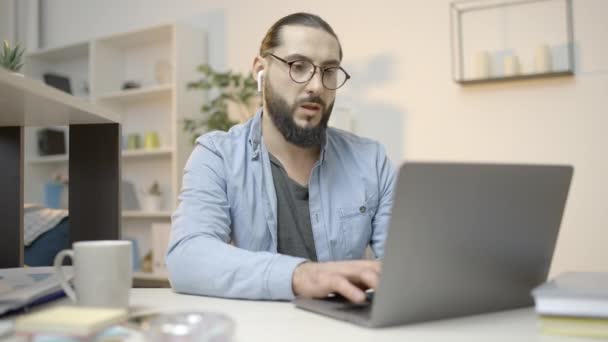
[272, 38]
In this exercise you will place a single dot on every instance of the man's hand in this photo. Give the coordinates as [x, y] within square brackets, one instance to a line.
[347, 278]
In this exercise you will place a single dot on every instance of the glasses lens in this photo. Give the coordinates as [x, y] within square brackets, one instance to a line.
[334, 78]
[301, 71]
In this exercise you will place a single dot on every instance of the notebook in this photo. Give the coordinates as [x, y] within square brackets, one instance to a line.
[70, 320]
[578, 294]
[21, 288]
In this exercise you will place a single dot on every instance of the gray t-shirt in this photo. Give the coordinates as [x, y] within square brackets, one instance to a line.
[294, 230]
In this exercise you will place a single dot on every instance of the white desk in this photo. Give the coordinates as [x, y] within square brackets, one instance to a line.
[94, 164]
[281, 321]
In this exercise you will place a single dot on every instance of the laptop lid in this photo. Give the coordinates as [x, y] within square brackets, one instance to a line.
[468, 238]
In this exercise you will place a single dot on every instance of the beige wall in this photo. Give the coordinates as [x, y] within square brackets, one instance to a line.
[402, 93]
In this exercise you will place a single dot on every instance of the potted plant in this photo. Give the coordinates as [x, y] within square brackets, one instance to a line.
[152, 198]
[234, 99]
[12, 58]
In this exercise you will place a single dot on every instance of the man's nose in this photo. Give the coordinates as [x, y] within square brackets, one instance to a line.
[315, 84]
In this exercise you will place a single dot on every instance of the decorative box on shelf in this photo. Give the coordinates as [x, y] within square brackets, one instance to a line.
[501, 40]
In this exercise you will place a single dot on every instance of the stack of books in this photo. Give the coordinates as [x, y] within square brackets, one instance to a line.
[23, 288]
[574, 304]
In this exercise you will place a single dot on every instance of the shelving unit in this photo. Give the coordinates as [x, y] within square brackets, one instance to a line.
[511, 40]
[98, 69]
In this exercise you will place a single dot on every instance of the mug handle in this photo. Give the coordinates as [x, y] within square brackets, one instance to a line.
[63, 281]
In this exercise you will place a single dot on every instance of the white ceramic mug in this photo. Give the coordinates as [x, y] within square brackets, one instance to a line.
[102, 273]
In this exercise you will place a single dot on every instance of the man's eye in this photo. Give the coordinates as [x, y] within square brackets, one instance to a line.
[299, 66]
[330, 71]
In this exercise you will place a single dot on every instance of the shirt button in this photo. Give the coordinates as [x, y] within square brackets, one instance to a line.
[362, 209]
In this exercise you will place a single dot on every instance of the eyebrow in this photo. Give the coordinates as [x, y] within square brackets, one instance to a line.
[297, 56]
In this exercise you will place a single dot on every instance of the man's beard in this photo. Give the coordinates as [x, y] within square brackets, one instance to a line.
[282, 115]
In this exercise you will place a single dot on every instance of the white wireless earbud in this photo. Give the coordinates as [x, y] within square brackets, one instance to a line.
[260, 77]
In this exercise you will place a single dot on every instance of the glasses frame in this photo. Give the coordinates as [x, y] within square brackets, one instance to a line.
[322, 70]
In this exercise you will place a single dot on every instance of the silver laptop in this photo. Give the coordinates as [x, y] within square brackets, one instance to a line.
[464, 239]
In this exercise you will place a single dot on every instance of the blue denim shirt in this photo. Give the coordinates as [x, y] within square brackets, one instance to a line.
[228, 196]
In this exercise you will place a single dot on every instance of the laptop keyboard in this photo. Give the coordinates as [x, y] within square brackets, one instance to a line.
[340, 307]
[348, 305]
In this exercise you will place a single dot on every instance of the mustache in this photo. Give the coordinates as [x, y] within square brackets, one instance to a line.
[314, 99]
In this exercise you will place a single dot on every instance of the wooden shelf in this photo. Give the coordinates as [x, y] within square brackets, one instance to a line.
[45, 105]
[127, 154]
[516, 78]
[144, 153]
[145, 279]
[149, 276]
[138, 94]
[137, 214]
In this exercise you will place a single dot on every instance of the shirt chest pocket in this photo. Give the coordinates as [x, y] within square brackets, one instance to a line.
[356, 228]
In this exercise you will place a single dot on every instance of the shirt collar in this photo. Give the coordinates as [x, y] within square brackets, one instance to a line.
[255, 134]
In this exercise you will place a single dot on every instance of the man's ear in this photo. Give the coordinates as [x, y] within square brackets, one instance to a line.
[258, 72]
[258, 65]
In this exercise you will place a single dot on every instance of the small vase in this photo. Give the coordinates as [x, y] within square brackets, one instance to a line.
[511, 66]
[481, 65]
[542, 59]
[162, 72]
[151, 203]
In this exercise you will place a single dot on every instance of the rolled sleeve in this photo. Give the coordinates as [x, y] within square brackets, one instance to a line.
[279, 280]
[381, 221]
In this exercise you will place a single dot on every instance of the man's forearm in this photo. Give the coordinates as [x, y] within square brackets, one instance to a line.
[206, 266]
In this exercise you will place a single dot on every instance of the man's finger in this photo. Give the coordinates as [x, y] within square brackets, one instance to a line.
[341, 285]
[355, 268]
[365, 280]
[370, 278]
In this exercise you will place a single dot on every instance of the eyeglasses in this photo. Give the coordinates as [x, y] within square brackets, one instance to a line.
[302, 71]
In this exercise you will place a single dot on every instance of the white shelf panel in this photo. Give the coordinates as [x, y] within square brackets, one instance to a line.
[61, 53]
[134, 154]
[134, 214]
[62, 158]
[140, 37]
[138, 94]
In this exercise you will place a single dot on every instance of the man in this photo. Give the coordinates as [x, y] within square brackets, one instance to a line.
[300, 202]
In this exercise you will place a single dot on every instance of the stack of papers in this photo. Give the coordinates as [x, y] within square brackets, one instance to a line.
[24, 287]
[574, 303]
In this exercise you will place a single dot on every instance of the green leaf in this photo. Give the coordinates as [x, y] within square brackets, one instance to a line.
[205, 69]
[225, 87]
[6, 49]
[11, 58]
[13, 53]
